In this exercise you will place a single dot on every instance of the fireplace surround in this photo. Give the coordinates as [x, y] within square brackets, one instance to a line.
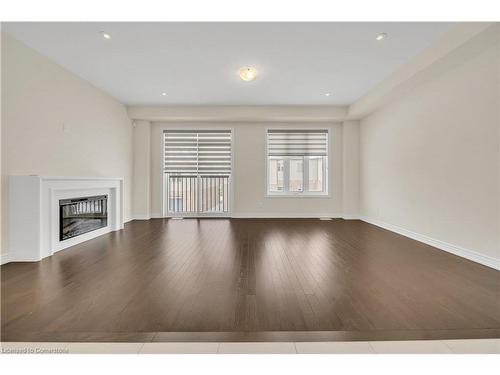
[34, 213]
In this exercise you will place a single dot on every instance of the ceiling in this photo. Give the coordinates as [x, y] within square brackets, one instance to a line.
[197, 63]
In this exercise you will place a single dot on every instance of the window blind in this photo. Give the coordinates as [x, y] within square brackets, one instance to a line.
[198, 152]
[297, 142]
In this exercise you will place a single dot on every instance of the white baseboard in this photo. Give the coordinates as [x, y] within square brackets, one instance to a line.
[9, 258]
[454, 249]
[141, 217]
[351, 217]
[266, 215]
[146, 216]
[276, 215]
[4, 258]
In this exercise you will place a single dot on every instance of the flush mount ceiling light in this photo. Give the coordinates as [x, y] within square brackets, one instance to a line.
[381, 36]
[247, 73]
[328, 94]
[105, 35]
[163, 94]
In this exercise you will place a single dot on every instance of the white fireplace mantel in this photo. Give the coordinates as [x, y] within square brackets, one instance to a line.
[34, 212]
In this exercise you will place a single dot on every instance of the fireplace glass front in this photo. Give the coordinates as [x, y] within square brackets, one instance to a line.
[82, 215]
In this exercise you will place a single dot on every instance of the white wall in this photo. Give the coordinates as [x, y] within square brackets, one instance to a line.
[350, 168]
[249, 179]
[39, 99]
[429, 160]
[142, 169]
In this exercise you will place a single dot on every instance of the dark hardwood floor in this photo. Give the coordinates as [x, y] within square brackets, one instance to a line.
[249, 279]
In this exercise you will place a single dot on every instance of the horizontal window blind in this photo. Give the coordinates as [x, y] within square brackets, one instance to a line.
[198, 152]
[297, 142]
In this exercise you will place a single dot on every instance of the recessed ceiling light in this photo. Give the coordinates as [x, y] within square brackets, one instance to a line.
[105, 35]
[381, 36]
[163, 94]
[328, 94]
[247, 73]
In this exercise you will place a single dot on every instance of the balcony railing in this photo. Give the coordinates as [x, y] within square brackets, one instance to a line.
[198, 194]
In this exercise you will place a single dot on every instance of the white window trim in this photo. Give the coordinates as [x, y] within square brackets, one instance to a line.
[305, 194]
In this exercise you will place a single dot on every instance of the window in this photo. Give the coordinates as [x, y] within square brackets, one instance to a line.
[297, 162]
[197, 171]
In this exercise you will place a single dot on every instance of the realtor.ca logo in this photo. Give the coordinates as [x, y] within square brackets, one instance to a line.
[34, 350]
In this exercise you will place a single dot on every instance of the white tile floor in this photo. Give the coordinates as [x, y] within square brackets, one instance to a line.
[411, 347]
[353, 347]
[479, 346]
[486, 346]
[105, 348]
[257, 348]
[180, 348]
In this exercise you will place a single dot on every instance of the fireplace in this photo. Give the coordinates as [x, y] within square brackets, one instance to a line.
[82, 215]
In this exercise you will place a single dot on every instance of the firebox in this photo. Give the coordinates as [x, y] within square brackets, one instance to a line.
[82, 215]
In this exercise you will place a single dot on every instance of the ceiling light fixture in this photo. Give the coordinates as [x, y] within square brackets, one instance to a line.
[163, 94]
[328, 94]
[105, 35]
[247, 73]
[381, 36]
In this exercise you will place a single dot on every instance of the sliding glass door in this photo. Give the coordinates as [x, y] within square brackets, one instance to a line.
[197, 172]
